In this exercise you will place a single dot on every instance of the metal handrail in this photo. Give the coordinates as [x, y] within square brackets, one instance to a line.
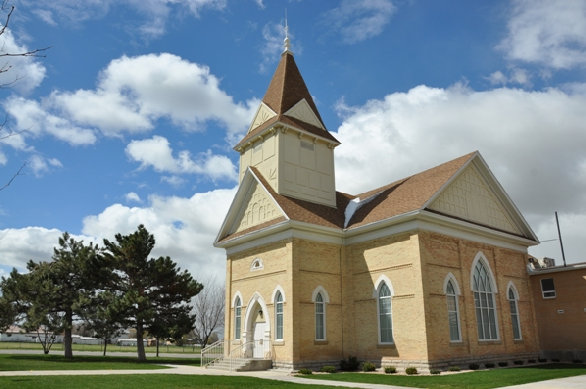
[215, 351]
[212, 353]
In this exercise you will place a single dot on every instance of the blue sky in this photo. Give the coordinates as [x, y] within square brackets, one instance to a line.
[131, 116]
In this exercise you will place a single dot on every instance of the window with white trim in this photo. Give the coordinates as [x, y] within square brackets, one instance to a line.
[453, 312]
[547, 288]
[320, 317]
[514, 307]
[385, 314]
[237, 318]
[279, 316]
[484, 302]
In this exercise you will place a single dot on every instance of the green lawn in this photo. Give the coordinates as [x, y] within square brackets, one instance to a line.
[14, 362]
[150, 381]
[477, 379]
[58, 347]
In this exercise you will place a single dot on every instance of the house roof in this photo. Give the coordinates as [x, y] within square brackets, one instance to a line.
[286, 89]
[413, 193]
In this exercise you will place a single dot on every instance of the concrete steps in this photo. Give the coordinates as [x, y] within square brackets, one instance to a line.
[242, 364]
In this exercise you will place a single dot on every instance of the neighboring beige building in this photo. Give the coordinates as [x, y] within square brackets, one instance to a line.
[428, 271]
[559, 295]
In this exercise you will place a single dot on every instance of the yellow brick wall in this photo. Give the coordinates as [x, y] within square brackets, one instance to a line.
[396, 258]
[276, 260]
[441, 255]
[317, 264]
[416, 265]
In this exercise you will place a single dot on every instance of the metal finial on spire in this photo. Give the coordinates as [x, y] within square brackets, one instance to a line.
[287, 41]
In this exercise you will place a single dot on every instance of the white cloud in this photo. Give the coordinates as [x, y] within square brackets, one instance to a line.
[155, 13]
[550, 33]
[34, 119]
[356, 21]
[39, 164]
[184, 228]
[534, 142]
[517, 76]
[18, 246]
[132, 94]
[134, 91]
[157, 153]
[133, 197]
[20, 73]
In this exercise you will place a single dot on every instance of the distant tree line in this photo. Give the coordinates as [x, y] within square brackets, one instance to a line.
[109, 288]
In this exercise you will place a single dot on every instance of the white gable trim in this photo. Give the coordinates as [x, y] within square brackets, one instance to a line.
[302, 111]
[262, 115]
[235, 208]
[494, 185]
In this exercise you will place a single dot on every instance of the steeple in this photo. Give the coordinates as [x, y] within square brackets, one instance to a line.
[287, 140]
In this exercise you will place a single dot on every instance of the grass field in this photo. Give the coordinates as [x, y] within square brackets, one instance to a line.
[150, 381]
[28, 362]
[57, 347]
[477, 379]
[16, 362]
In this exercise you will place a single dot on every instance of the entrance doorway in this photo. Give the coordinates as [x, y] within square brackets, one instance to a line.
[259, 340]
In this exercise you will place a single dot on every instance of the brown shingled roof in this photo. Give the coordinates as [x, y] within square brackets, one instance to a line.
[400, 197]
[406, 195]
[287, 87]
[290, 121]
[306, 211]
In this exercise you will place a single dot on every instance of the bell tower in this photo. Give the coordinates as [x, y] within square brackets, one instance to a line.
[288, 142]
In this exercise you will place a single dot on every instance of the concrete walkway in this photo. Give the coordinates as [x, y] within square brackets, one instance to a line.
[578, 382]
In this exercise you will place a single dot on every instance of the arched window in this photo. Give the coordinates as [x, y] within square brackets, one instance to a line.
[515, 323]
[278, 316]
[320, 317]
[484, 302]
[385, 315]
[453, 311]
[237, 318]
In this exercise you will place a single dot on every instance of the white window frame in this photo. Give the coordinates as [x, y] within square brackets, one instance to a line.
[238, 318]
[279, 313]
[513, 297]
[383, 280]
[321, 292]
[549, 293]
[451, 280]
[485, 301]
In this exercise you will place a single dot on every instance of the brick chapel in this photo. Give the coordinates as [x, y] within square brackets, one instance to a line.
[427, 271]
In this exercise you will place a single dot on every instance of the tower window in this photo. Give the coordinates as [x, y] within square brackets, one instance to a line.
[307, 145]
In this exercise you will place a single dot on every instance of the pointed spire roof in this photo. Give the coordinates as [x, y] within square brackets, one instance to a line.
[286, 89]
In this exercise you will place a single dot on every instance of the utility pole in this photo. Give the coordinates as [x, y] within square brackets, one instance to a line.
[560, 236]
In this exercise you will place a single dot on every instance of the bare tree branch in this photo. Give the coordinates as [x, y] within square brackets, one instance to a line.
[18, 173]
[209, 310]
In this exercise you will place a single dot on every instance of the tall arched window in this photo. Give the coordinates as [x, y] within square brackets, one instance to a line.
[385, 314]
[237, 318]
[320, 317]
[484, 302]
[515, 323]
[278, 316]
[453, 312]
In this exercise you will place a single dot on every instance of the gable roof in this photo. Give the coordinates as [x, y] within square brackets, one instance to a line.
[286, 89]
[408, 195]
